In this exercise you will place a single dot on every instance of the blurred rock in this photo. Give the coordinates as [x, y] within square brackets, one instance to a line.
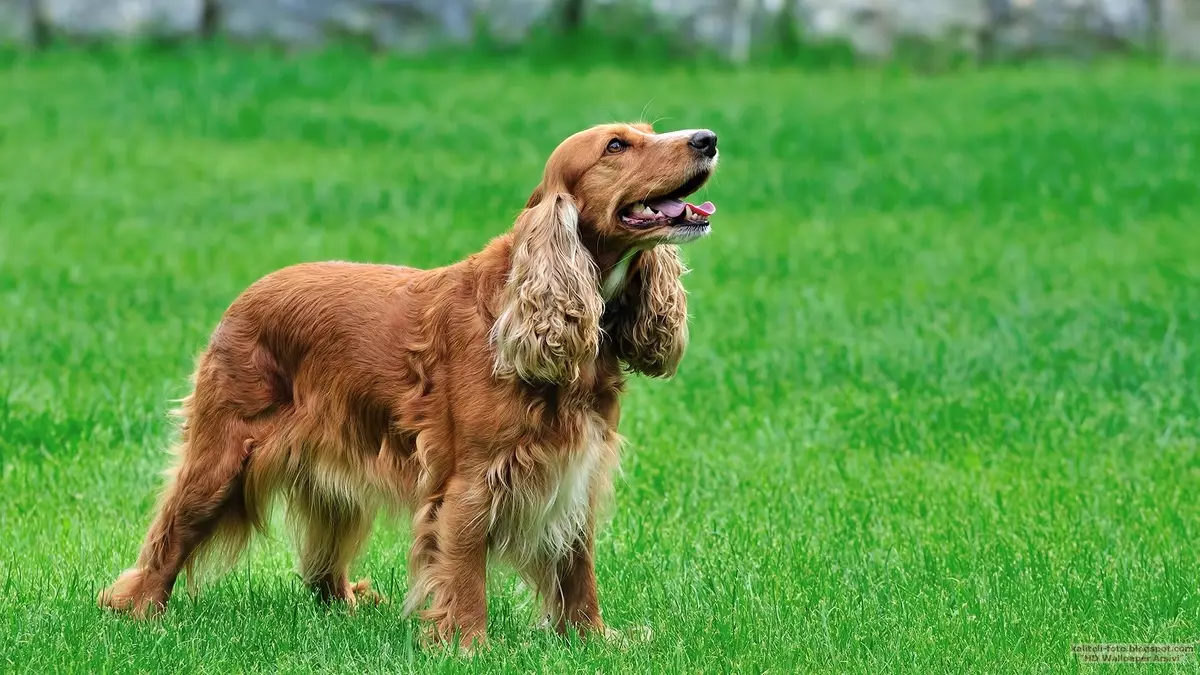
[396, 24]
[510, 21]
[99, 18]
[418, 24]
[272, 20]
[16, 22]
[730, 26]
[865, 24]
[1004, 27]
[874, 27]
[1181, 29]
[1067, 26]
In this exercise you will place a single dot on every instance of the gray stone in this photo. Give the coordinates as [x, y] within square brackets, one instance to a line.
[101, 18]
[873, 27]
[272, 20]
[1068, 26]
[416, 24]
[511, 20]
[1181, 29]
[730, 26]
[397, 24]
[955, 23]
[16, 22]
[861, 23]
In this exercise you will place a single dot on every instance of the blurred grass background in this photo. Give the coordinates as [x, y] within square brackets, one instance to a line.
[939, 413]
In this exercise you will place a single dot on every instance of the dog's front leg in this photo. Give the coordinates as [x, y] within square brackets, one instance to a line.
[577, 605]
[458, 571]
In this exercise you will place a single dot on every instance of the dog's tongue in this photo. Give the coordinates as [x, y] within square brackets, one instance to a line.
[673, 207]
[668, 207]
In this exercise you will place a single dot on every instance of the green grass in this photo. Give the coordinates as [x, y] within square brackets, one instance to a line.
[940, 412]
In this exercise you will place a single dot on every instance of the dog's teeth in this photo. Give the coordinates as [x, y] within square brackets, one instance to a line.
[688, 214]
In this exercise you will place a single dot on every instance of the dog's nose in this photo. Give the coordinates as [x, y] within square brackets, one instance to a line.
[705, 141]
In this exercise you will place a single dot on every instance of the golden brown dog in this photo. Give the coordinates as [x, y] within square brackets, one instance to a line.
[483, 396]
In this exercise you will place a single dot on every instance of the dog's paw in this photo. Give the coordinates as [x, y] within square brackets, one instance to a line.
[361, 593]
[131, 594]
[587, 630]
[330, 591]
[627, 637]
[433, 638]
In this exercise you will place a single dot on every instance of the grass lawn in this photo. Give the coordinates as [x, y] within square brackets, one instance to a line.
[940, 412]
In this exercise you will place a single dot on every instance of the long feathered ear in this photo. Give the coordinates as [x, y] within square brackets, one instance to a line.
[549, 322]
[650, 322]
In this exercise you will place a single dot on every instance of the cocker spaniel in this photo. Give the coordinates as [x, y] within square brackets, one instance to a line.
[481, 397]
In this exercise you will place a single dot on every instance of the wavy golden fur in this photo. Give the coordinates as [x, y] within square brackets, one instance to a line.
[481, 397]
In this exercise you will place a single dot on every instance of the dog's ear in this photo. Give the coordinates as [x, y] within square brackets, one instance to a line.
[549, 321]
[535, 198]
[650, 328]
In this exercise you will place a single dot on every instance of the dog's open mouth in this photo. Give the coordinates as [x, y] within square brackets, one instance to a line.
[670, 209]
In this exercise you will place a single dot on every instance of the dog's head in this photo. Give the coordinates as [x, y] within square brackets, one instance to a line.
[629, 184]
[607, 193]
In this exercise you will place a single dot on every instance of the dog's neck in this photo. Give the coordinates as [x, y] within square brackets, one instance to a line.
[615, 262]
[613, 277]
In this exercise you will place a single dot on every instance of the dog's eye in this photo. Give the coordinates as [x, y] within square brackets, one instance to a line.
[616, 145]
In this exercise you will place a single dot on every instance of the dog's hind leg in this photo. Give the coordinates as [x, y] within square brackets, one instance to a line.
[330, 533]
[203, 499]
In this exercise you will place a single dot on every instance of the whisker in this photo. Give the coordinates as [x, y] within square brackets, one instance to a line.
[655, 188]
[646, 109]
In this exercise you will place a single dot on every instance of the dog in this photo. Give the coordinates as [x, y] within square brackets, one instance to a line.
[482, 397]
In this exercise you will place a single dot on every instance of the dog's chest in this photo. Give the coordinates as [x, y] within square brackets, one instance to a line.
[539, 514]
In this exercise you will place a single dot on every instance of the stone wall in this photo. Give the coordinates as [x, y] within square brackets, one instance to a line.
[873, 28]
[1180, 22]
